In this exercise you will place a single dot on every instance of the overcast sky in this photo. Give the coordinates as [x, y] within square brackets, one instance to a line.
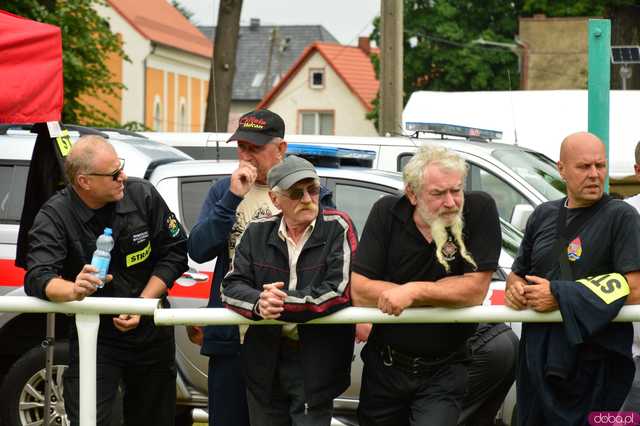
[344, 19]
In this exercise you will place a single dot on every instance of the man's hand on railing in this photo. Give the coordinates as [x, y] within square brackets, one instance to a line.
[395, 300]
[514, 296]
[271, 302]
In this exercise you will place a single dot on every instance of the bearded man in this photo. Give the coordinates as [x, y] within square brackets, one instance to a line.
[433, 246]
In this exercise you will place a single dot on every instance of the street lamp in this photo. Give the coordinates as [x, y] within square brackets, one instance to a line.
[516, 48]
[625, 55]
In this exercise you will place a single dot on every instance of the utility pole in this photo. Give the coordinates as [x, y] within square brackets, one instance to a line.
[223, 66]
[267, 76]
[391, 66]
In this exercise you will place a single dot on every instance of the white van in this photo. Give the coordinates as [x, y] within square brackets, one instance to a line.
[518, 178]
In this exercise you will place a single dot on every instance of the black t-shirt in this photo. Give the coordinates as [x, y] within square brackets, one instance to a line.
[393, 249]
[608, 242]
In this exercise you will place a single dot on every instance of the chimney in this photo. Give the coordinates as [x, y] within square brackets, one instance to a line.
[364, 44]
[254, 23]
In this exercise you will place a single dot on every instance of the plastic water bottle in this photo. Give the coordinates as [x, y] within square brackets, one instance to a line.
[102, 255]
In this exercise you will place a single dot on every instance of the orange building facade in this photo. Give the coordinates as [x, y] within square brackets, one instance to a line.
[167, 78]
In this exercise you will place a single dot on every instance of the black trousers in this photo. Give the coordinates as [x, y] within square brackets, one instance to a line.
[492, 372]
[288, 406]
[149, 384]
[391, 396]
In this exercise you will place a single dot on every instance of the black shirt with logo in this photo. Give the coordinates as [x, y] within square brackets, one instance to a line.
[393, 249]
[609, 242]
[148, 241]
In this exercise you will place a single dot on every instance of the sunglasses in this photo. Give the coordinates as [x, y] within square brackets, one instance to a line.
[114, 175]
[298, 193]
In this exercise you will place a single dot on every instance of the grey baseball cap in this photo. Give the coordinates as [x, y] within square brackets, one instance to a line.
[290, 171]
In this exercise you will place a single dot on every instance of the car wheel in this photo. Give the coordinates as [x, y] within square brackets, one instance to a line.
[23, 388]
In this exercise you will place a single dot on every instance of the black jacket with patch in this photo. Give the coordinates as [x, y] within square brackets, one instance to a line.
[148, 241]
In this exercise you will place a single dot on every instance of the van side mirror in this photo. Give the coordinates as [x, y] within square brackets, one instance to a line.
[521, 213]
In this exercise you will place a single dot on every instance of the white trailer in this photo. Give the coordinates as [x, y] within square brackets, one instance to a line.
[535, 119]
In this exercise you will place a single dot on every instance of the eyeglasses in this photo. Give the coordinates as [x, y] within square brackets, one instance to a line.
[298, 193]
[114, 175]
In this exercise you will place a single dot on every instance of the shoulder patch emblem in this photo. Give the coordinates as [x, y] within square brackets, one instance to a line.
[574, 250]
[449, 250]
[172, 225]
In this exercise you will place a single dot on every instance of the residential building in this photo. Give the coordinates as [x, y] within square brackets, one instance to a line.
[264, 54]
[167, 75]
[555, 50]
[555, 53]
[328, 90]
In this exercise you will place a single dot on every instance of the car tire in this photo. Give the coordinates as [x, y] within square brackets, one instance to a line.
[23, 386]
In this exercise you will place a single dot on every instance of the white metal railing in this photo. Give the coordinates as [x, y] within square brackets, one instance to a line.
[87, 321]
[221, 316]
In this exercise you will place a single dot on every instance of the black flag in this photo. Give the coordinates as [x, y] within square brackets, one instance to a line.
[46, 176]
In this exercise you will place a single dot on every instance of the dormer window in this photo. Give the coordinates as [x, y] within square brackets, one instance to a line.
[316, 78]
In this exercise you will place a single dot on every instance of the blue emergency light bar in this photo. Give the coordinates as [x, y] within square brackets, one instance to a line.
[454, 130]
[332, 156]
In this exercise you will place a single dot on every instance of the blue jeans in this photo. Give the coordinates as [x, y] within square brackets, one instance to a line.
[227, 392]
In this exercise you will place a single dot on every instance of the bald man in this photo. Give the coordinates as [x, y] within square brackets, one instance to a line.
[579, 255]
[150, 252]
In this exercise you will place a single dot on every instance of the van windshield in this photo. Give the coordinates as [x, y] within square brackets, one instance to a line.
[537, 169]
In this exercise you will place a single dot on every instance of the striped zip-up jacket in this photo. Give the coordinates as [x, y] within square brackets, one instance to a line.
[323, 272]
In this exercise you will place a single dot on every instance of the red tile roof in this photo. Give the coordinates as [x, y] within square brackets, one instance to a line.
[349, 62]
[160, 22]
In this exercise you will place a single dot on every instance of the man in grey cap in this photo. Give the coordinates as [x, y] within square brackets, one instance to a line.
[294, 267]
[230, 204]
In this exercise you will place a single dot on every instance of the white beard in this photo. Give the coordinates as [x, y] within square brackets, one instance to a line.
[440, 236]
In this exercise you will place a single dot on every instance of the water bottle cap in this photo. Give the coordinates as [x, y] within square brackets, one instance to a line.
[108, 231]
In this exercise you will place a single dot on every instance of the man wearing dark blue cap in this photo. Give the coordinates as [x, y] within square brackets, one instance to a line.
[230, 204]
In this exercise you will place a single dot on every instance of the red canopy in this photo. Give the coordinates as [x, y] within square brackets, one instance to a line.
[30, 70]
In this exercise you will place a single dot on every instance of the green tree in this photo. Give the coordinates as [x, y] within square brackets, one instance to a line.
[187, 13]
[439, 49]
[559, 8]
[87, 42]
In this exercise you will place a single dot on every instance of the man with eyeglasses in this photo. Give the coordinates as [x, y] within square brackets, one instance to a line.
[295, 267]
[148, 256]
[230, 204]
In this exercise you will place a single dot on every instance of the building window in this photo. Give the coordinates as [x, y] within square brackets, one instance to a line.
[258, 78]
[182, 116]
[316, 123]
[157, 116]
[316, 78]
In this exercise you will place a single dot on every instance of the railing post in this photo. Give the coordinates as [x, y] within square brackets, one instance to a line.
[87, 325]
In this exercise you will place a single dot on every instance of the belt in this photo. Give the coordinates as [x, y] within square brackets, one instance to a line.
[291, 344]
[419, 365]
